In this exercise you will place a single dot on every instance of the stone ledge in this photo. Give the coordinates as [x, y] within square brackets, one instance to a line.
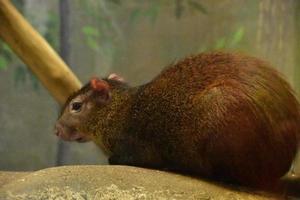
[8, 176]
[91, 182]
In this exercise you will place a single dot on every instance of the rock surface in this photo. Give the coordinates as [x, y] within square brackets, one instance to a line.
[6, 177]
[113, 182]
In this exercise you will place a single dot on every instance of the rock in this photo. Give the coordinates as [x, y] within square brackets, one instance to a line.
[6, 177]
[114, 182]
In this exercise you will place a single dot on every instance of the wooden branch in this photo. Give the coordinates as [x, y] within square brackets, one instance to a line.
[36, 53]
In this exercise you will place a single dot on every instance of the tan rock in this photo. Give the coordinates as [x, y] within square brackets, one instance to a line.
[6, 176]
[114, 182]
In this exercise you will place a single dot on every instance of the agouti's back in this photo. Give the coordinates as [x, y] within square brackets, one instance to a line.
[221, 115]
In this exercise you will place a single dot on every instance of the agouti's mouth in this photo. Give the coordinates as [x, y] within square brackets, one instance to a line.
[82, 139]
[79, 137]
[70, 134]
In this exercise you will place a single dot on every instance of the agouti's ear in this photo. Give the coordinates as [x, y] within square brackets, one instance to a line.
[116, 77]
[101, 87]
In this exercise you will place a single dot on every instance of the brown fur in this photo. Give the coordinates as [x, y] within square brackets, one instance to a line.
[220, 115]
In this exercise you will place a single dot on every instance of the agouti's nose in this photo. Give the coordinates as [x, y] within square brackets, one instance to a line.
[58, 129]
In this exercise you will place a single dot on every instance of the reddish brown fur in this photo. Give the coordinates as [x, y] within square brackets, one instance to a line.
[220, 115]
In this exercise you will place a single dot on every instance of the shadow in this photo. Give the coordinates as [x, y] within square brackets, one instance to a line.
[287, 187]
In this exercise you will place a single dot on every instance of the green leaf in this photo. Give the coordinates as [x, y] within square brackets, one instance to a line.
[90, 31]
[135, 15]
[237, 37]
[202, 49]
[52, 31]
[198, 6]
[153, 11]
[178, 9]
[3, 63]
[34, 81]
[20, 75]
[6, 48]
[92, 43]
[118, 2]
[220, 44]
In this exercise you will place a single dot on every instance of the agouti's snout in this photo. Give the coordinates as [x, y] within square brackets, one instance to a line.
[58, 130]
[69, 134]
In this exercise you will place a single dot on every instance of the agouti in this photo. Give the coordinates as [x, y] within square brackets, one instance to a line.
[219, 115]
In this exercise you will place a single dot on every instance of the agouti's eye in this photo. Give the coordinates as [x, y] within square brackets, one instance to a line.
[76, 106]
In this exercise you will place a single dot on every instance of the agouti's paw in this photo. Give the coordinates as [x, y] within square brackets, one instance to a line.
[120, 160]
[114, 160]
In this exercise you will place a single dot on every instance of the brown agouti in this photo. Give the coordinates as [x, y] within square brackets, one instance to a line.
[219, 115]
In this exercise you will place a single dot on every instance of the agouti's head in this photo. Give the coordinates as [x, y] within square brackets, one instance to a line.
[77, 109]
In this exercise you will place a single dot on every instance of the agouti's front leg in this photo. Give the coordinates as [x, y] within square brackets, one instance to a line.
[136, 155]
[126, 154]
[121, 160]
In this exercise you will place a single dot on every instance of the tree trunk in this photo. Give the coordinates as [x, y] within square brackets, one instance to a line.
[63, 149]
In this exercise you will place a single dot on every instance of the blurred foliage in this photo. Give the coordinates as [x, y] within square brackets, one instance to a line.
[51, 35]
[92, 36]
[5, 56]
[227, 42]
[103, 33]
[3, 62]
[19, 4]
[182, 5]
[152, 9]
[103, 36]
[22, 74]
